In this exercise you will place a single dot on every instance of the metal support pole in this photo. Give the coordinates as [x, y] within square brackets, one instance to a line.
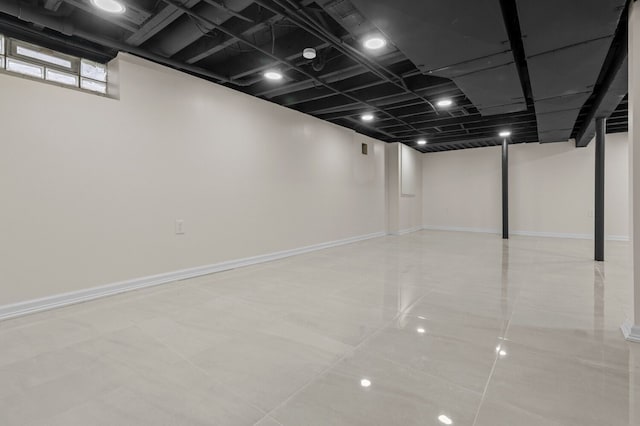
[601, 125]
[505, 189]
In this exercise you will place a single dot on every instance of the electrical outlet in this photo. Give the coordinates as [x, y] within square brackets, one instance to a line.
[179, 227]
[590, 213]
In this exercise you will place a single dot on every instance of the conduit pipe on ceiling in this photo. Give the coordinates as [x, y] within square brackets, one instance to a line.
[306, 22]
[64, 26]
[285, 62]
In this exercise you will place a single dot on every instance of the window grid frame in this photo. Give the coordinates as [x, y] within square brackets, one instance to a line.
[9, 50]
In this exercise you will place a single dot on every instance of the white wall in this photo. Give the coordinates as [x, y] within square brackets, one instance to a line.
[462, 189]
[551, 189]
[91, 187]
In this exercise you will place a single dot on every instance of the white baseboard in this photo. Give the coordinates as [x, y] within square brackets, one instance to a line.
[406, 231]
[618, 238]
[631, 332]
[526, 233]
[568, 235]
[461, 229]
[64, 299]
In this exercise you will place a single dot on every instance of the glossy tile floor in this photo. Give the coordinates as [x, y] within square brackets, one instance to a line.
[429, 328]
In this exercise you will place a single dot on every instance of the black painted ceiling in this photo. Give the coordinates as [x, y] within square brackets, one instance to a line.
[541, 68]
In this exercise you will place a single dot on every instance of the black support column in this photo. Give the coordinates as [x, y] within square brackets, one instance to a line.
[601, 125]
[505, 189]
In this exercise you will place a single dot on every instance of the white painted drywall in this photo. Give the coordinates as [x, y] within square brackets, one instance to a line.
[462, 189]
[91, 187]
[551, 189]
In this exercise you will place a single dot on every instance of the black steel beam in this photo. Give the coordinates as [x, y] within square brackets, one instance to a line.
[601, 124]
[611, 86]
[491, 141]
[528, 135]
[512, 24]
[505, 189]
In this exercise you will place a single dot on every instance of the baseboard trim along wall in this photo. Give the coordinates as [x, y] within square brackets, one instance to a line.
[461, 229]
[407, 231]
[64, 299]
[630, 332]
[526, 233]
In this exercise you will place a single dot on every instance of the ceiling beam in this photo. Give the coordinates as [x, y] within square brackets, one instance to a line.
[611, 86]
[157, 23]
[209, 47]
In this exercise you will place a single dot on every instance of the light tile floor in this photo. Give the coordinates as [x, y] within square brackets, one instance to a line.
[443, 325]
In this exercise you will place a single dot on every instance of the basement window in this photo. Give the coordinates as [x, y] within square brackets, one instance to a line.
[21, 58]
[25, 68]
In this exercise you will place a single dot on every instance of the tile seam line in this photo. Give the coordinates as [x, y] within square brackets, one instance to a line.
[332, 365]
[495, 362]
[197, 367]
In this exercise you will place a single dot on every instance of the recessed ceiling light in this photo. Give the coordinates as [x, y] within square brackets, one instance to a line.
[111, 6]
[421, 330]
[375, 43]
[309, 53]
[365, 383]
[504, 134]
[444, 103]
[422, 141]
[445, 419]
[501, 351]
[367, 117]
[273, 75]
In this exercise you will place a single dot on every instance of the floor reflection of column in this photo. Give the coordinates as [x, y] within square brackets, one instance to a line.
[598, 300]
[634, 384]
[505, 278]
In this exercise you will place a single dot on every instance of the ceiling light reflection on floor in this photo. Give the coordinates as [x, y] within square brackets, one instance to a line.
[445, 420]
